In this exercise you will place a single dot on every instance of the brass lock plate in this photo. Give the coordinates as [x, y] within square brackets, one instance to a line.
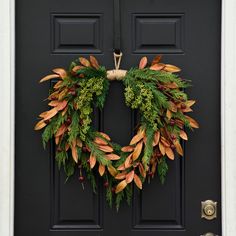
[209, 209]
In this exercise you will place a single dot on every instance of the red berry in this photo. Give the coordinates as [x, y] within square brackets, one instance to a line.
[150, 173]
[84, 149]
[172, 146]
[183, 106]
[81, 178]
[113, 189]
[68, 121]
[159, 154]
[173, 136]
[106, 184]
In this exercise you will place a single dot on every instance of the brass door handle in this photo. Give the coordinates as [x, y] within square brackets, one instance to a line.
[209, 210]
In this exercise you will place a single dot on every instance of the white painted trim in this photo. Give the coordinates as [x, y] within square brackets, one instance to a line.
[228, 114]
[7, 57]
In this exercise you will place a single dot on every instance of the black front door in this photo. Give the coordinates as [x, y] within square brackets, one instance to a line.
[52, 33]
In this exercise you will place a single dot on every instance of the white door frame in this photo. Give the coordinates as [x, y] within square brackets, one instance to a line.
[228, 116]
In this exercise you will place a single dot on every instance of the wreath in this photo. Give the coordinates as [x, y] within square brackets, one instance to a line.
[152, 89]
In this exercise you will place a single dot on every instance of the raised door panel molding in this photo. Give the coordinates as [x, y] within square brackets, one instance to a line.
[169, 39]
[76, 33]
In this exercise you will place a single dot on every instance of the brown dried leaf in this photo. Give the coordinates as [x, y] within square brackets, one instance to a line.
[170, 153]
[143, 62]
[165, 142]
[121, 186]
[183, 135]
[100, 141]
[168, 114]
[179, 149]
[129, 177]
[57, 139]
[162, 148]
[101, 169]
[121, 175]
[50, 114]
[84, 62]
[192, 122]
[48, 77]
[138, 182]
[121, 167]
[43, 114]
[74, 153]
[127, 149]
[112, 157]
[92, 161]
[105, 136]
[94, 62]
[172, 107]
[62, 94]
[41, 124]
[64, 111]
[141, 170]
[128, 161]
[76, 68]
[58, 84]
[105, 148]
[156, 138]
[61, 130]
[112, 170]
[61, 105]
[53, 103]
[171, 68]
[61, 72]
[157, 67]
[156, 59]
[137, 151]
[137, 137]
[189, 103]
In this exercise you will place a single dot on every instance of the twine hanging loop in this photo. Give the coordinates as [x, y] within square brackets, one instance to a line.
[117, 73]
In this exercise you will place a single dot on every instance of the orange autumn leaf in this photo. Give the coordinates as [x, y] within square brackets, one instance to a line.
[171, 68]
[61, 72]
[143, 62]
[53, 103]
[121, 167]
[92, 161]
[41, 124]
[121, 175]
[172, 107]
[61, 105]
[127, 149]
[137, 137]
[183, 135]
[58, 84]
[50, 114]
[48, 77]
[121, 186]
[105, 136]
[61, 130]
[138, 181]
[79, 143]
[189, 103]
[128, 161]
[178, 147]
[141, 170]
[156, 138]
[105, 148]
[137, 151]
[156, 59]
[112, 170]
[101, 169]
[76, 68]
[157, 67]
[129, 177]
[94, 62]
[84, 61]
[170, 153]
[168, 114]
[100, 141]
[112, 157]
[74, 153]
[162, 148]
[193, 123]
